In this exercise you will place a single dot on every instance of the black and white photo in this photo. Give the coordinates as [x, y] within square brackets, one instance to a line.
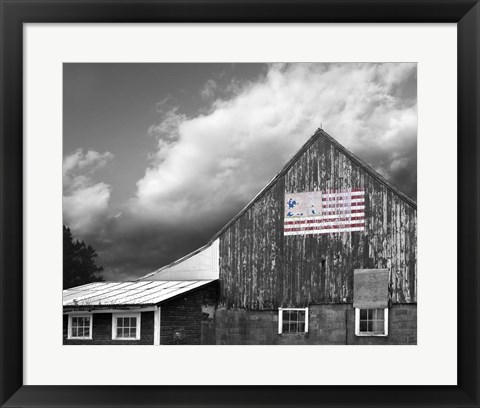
[247, 204]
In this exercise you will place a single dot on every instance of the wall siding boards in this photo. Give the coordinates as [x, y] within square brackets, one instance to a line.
[262, 269]
[182, 320]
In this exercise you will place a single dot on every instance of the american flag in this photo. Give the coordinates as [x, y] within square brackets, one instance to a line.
[326, 212]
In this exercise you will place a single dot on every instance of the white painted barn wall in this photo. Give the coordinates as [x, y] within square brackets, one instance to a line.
[199, 265]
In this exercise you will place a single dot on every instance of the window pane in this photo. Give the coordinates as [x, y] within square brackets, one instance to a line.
[363, 325]
[74, 332]
[119, 322]
[293, 321]
[74, 321]
[378, 326]
[119, 332]
[363, 314]
[86, 332]
[87, 321]
[369, 326]
[380, 314]
[133, 322]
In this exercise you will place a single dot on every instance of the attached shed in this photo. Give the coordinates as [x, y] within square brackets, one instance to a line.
[141, 312]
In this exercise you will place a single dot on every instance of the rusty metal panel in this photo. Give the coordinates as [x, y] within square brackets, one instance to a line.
[260, 268]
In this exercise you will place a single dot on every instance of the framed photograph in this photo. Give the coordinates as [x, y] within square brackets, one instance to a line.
[238, 186]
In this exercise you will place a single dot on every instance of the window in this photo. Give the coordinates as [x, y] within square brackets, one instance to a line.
[80, 327]
[370, 300]
[126, 326]
[371, 322]
[292, 320]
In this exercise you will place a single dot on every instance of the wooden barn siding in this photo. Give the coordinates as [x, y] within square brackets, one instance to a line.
[262, 269]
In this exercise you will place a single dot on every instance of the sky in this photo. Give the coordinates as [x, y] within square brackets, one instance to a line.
[158, 157]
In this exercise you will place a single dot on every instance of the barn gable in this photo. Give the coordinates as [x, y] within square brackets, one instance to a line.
[262, 268]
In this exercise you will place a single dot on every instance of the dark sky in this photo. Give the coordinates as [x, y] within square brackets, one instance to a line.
[157, 157]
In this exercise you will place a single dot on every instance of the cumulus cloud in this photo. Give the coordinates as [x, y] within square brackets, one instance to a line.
[85, 202]
[211, 164]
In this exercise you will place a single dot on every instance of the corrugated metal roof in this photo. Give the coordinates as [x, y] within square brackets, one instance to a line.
[128, 293]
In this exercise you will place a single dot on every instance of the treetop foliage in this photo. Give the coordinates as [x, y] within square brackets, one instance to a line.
[79, 265]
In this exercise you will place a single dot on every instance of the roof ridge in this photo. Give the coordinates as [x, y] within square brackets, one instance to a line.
[375, 174]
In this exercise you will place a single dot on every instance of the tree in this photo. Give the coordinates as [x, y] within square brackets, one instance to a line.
[78, 262]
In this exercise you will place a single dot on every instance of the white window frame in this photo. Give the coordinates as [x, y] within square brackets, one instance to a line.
[89, 315]
[367, 334]
[280, 318]
[115, 316]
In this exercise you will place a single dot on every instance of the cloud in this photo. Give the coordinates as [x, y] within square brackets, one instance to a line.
[85, 202]
[216, 161]
[208, 90]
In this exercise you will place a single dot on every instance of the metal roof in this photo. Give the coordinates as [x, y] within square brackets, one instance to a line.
[128, 293]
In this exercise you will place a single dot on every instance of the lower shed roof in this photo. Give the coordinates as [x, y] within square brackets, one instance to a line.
[128, 293]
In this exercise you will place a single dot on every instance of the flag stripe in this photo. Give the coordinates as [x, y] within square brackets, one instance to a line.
[353, 191]
[323, 220]
[355, 213]
[324, 231]
[358, 208]
[326, 197]
[325, 227]
[340, 205]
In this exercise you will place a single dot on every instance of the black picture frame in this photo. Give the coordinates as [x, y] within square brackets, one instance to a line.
[465, 13]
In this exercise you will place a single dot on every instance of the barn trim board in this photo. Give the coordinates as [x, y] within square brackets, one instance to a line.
[327, 239]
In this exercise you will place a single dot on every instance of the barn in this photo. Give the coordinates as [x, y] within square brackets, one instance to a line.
[326, 253]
